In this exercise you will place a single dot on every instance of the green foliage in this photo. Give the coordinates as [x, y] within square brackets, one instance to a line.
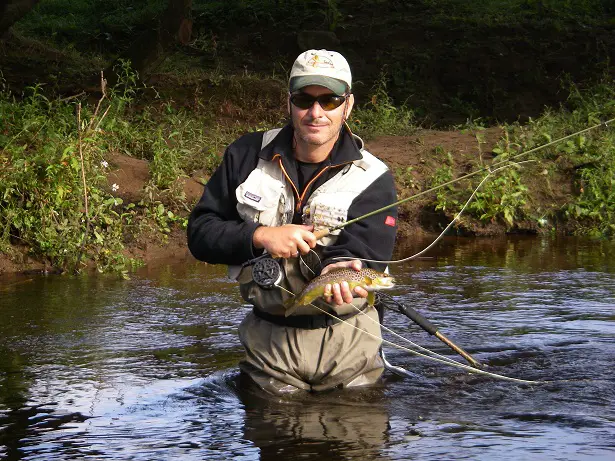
[333, 14]
[165, 166]
[500, 198]
[405, 178]
[104, 24]
[506, 196]
[596, 202]
[54, 195]
[379, 116]
[42, 195]
[590, 156]
[446, 199]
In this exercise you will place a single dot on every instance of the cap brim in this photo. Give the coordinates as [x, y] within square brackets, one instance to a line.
[337, 86]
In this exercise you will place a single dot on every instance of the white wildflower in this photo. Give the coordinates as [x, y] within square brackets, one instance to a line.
[104, 164]
[115, 187]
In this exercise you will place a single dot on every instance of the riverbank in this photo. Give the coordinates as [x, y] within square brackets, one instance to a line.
[101, 170]
[417, 162]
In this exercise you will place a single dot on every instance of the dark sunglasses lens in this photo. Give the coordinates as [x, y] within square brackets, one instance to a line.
[330, 101]
[326, 101]
[302, 100]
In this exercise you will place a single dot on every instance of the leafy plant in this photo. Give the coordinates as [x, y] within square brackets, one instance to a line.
[405, 178]
[380, 116]
[445, 197]
[502, 197]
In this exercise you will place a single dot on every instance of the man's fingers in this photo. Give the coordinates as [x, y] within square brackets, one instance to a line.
[345, 292]
[285, 241]
[356, 264]
[337, 295]
[341, 294]
[309, 239]
[303, 247]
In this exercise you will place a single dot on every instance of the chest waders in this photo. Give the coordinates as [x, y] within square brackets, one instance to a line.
[309, 349]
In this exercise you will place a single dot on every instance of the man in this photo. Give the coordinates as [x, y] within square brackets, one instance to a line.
[267, 196]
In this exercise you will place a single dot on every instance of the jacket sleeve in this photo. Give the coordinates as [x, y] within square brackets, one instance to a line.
[216, 233]
[373, 237]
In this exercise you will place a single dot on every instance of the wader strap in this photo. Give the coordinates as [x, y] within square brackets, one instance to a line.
[305, 322]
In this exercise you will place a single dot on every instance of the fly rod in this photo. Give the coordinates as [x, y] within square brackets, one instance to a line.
[430, 328]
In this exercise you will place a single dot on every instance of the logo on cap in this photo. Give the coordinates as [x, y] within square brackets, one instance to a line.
[320, 61]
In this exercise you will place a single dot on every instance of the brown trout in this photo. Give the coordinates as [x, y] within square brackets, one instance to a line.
[367, 278]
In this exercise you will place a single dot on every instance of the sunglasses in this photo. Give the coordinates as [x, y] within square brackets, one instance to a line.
[326, 101]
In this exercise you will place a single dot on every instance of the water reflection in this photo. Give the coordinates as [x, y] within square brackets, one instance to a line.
[334, 426]
[521, 253]
[98, 367]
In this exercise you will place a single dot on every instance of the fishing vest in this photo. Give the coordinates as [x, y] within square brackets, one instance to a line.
[267, 197]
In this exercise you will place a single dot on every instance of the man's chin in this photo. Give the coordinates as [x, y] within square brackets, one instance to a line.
[314, 140]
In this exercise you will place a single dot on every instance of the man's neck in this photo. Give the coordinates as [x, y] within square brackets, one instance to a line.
[310, 153]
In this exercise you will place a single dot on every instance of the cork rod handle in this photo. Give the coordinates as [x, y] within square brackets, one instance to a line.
[321, 233]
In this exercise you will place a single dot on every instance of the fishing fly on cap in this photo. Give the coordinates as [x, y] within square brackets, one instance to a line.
[323, 68]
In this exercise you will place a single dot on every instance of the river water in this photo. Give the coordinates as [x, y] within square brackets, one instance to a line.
[146, 369]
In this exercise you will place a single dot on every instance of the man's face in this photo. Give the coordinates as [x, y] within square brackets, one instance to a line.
[316, 126]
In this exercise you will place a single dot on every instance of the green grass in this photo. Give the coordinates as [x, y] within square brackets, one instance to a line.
[99, 24]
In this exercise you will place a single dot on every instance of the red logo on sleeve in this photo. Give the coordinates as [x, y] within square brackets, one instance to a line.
[390, 221]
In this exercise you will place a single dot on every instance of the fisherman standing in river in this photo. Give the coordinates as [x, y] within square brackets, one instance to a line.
[269, 195]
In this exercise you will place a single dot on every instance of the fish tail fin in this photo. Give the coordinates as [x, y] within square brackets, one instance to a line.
[291, 305]
[290, 310]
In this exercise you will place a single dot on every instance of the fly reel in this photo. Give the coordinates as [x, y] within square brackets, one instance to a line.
[266, 272]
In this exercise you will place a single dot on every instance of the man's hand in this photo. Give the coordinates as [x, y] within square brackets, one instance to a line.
[341, 293]
[285, 241]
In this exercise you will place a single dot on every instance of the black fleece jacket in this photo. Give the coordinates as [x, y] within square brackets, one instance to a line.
[217, 235]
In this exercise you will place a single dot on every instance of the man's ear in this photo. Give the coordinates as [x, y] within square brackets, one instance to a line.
[288, 105]
[348, 107]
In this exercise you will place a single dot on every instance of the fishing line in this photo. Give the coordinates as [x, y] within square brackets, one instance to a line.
[455, 219]
[446, 360]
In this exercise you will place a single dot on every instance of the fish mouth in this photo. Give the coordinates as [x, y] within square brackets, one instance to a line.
[386, 283]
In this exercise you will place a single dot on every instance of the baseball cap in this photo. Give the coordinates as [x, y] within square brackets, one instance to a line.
[321, 67]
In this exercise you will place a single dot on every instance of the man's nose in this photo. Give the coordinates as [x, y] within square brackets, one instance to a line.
[316, 110]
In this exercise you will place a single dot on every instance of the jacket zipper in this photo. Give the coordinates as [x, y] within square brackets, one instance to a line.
[298, 196]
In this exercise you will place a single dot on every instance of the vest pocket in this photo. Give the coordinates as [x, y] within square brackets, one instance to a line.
[258, 198]
[327, 210]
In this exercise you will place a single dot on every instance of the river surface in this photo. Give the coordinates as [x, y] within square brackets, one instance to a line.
[146, 369]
